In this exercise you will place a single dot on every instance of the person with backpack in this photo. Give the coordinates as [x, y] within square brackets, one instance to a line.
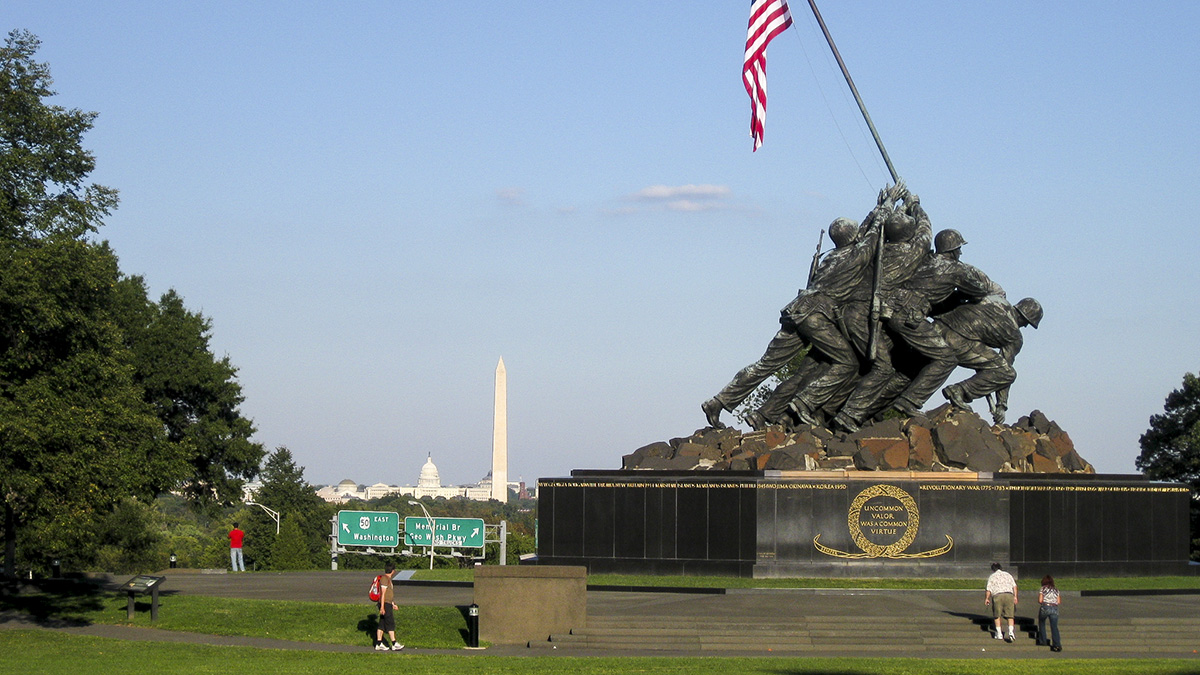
[381, 592]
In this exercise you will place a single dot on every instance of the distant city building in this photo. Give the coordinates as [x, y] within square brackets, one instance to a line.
[250, 490]
[429, 484]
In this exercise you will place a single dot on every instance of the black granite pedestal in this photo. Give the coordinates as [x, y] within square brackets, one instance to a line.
[862, 523]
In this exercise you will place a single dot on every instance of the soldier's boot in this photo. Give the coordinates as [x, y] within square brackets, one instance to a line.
[957, 398]
[906, 408]
[712, 410]
[756, 421]
[802, 413]
[846, 422]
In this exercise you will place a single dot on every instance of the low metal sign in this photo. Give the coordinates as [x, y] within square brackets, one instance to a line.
[449, 532]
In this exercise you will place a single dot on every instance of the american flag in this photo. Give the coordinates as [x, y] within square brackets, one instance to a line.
[768, 18]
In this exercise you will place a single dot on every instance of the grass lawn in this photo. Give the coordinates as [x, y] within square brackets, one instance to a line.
[29, 651]
[425, 627]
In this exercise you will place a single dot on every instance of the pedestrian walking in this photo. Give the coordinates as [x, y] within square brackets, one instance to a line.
[1002, 596]
[387, 607]
[1048, 601]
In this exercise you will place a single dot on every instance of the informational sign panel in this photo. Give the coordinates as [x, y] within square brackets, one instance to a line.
[452, 532]
[142, 583]
[369, 528]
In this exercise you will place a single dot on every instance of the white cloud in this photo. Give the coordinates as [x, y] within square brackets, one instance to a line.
[511, 196]
[692, 205]
[684, 192]
[621, 211]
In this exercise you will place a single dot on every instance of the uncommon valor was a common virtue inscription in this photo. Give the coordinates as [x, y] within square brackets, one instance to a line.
[883, 522]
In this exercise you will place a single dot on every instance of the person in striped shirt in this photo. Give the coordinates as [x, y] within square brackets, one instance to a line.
[1048, 601]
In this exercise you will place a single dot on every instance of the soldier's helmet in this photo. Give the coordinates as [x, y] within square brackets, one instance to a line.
[899, 227]
[1030, 310]
[948, 240]
[843, 232]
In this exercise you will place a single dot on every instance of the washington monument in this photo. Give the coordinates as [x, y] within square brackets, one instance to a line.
[500, 437]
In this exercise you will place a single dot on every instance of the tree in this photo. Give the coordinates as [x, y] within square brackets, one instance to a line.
[290, 549]
[285, 490]
[43, 166]
[195, 394]
[131, 538]
[103, 394]
[75, 434]
[1171, 447]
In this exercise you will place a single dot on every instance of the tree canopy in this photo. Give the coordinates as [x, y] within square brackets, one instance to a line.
[1171, 446]
[105, 395]
[195, 394]
[43, 165]
[75, 434]
[285, 490]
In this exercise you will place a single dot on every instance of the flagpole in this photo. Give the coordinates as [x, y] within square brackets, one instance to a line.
[854, 90]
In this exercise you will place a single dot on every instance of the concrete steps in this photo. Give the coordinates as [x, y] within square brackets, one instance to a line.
[871, 635]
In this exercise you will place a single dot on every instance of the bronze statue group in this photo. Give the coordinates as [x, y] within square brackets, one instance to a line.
[885, 320]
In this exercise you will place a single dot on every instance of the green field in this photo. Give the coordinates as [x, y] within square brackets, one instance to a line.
[441, 628]
[329, 623]
[31, 651]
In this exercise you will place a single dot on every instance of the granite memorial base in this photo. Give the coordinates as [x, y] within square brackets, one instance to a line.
[519, 604]
[766, 524]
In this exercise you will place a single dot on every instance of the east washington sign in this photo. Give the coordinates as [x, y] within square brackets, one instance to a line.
[368, 528]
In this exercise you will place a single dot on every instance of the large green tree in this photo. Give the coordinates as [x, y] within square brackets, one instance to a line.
[43, 165]
[104, 395]
[1171, 446]
[194, 393]
[285, 491]
[75, 432]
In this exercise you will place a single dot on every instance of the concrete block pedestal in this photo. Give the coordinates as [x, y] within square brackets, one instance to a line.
[519, 604]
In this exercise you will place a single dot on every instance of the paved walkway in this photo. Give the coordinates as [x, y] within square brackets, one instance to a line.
[875, 607]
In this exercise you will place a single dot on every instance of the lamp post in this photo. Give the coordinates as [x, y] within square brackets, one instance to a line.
[431, 531]
[271, 512]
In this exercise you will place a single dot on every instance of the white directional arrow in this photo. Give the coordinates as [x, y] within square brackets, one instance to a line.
[474, 532]
[346, 528]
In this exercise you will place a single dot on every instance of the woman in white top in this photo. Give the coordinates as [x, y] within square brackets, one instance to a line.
[1048, 601]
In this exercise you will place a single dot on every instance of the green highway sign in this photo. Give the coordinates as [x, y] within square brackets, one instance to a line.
[452, 532]
[369, 528]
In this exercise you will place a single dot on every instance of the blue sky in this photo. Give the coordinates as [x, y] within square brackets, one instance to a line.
[375, 201]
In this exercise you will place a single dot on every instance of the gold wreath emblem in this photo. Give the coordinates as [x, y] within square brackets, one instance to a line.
[869, 548]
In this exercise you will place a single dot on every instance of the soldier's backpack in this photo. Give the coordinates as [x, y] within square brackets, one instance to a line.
[375, 594]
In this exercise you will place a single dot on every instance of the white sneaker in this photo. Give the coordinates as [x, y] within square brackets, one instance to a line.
[396, 646]
[381, 647]
[999, 636]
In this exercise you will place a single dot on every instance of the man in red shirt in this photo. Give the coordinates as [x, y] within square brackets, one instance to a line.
[235, 549]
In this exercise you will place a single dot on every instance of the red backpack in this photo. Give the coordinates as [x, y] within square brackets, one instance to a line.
[375, 594]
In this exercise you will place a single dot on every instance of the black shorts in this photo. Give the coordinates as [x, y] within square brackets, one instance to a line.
[387, 620]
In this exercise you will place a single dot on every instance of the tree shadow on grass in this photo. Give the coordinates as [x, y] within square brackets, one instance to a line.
[54, 603]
